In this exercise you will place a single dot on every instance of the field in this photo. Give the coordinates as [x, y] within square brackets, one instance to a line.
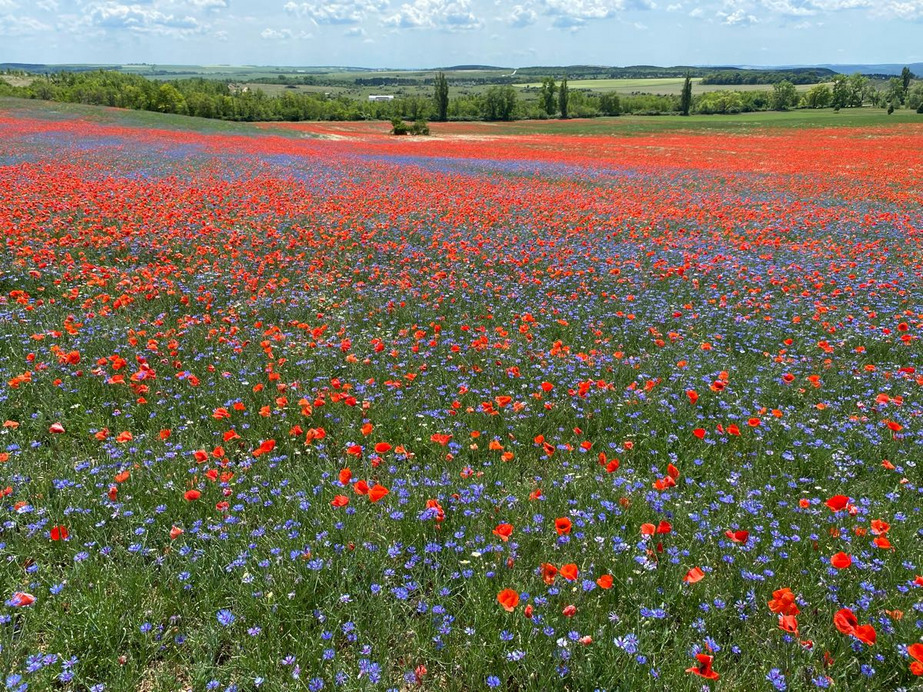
[671, 86]
[626, 404]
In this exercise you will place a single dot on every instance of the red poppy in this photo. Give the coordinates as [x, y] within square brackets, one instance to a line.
[788, 623]
[345, 476]
[382, 448]
[605, 581]
[339, 501]
[841, 560]
[503, 531]
[376, 492]
[783, 602]
[509, 599]
[361, 488]
[549, 572]
[59, 533]
[699, 433]
[704, 669]
[694, 576]
[175, 532]
[562, 525]
[837, 503]
[569, 571]
[21, 599]
[738, 536]
[693, 396]
[915, 651]
[191, 495]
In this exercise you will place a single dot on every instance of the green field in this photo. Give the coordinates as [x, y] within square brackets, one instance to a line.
[669, 86]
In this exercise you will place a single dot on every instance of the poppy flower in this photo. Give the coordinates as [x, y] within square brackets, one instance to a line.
[503, 531]
[704, 669]
[845, 621]
[509, 599]
[788, 623]
[339, 501]
[59, 533]
[191, 495]
[20, 599]
[837, 503]
[694, 576]
[549, 572]
[569, 611]
[376, 492]
[783, 602]
[175, 532]
[361, 488]
[382, 448]
[915, 651]
[569, 571]
[345, 476]
[562, 525]
[699, 433]
[738, 536]
[605, 581]
[841, 560]
[56, 428]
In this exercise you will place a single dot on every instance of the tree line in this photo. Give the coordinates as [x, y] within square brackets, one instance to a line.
[556, 99]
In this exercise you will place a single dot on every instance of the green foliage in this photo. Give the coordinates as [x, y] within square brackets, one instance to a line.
[906, 76]
[610, 104]
[915, 97]
[741, 77]
[441, 97]
[499, 103]
[685, 99]
[563, 98]
[784, 96]
[818, 96]
[399, 127]
[895, 93]
[546, 96]
[419, 127]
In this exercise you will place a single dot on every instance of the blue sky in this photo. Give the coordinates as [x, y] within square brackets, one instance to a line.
[428, 33]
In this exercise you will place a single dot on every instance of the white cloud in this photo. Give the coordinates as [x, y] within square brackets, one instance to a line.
[21, 26]
[450, 15]
[211, 4]
[321, 12]
[521, 16]
[737, 18]
[142, 19]
[283, 35]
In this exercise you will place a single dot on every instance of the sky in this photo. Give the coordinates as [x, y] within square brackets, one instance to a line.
[441, 33]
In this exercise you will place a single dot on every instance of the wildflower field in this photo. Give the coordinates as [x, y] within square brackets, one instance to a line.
[295, 409]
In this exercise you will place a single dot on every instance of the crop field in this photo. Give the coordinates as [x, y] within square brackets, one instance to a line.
[310, 407]
[670, 86]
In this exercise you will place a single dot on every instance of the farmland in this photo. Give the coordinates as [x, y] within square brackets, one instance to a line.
[617, 404]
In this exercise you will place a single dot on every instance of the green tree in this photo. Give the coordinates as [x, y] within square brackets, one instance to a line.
[499, 103]
[784, 96]
[818, 96]
[169, 100]
[546, 96]
[915, 97]
[685, 99]
[610, 104]
[840, 93]
[895, 93]
[906, 76]
[563, 98]
[441, 97]
[860, 88]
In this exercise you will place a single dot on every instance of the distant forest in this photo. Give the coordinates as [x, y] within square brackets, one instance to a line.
[222, 99]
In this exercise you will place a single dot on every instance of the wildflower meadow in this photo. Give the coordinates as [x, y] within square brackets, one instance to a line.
[312, 408]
